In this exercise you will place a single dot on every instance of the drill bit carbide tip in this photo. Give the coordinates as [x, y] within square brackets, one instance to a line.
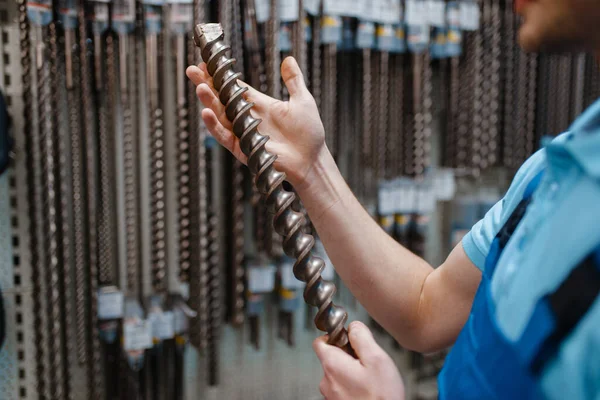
[287, 222]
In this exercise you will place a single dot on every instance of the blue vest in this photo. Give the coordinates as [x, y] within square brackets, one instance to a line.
[483, 363]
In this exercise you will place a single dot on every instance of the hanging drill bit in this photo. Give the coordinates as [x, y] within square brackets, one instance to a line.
[319, 293]
[94, 362]
[34, 189]
[199, 276]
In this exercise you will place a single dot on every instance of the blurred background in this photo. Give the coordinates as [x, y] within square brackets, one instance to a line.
[137, 260]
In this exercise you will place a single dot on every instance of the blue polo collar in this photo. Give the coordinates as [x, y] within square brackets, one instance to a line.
[581, 144]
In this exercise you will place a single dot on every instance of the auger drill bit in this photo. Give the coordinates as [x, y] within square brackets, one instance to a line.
[288, 223]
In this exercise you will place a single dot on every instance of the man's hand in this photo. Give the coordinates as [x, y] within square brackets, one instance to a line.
[296, 131]
[373, 376]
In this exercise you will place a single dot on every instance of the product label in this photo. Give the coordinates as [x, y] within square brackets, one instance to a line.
[288, 280]
[365, 35]
[385, 37]
[469, 16]
[436, 13]
[110, 304]
[289, 10]
[163, 325]
[415, 12]
[331, 29]
[312, 6]
[263, 10]
[40, 12]
[261, 279]
[137, 335]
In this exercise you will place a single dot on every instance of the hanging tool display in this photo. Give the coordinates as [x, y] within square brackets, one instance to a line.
[318, 293]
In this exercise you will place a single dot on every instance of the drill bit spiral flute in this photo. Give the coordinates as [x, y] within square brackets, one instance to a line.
[288, 223]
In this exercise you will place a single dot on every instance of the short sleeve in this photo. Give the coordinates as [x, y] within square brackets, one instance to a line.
[477, 242]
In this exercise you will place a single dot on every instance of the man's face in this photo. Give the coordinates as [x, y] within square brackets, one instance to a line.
[559, 25]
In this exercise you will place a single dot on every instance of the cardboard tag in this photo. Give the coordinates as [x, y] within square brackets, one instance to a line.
[180, 321]
[137, 335]
[346, 8]
[386, 198]
[289, 10]
[263, 10]
[469, 16]
[414, 13]
[163, 324]
[312, 6]
[389, 11]
[436, 13]
[425, 199]
[261, 279]
[444, 184]
[331, 29]
[288, 280]
[365, 35]
[110, 304]
[100, 13]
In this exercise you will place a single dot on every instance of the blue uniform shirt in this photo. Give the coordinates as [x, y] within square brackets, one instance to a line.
[560, 228]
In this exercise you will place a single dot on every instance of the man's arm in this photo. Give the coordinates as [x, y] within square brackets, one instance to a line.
[424, 308]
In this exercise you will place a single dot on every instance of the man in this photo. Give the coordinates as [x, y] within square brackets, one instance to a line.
[517, 298]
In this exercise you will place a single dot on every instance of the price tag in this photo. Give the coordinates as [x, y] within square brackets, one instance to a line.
[40, 12]
[163, 324]
[110, 304]
[425, 199]
[387, 199]
[100, 13]
[389, 11]
[137, 335]
[469, 16]
[346, 8]
[288, 280]
[444, 184]
[365, 36]
[263, 10]
[289, 10]
[180, 321]
[436, 13]
[261, 279]
[414, 12]
[331, 29]
[453, 14]
[312, 6]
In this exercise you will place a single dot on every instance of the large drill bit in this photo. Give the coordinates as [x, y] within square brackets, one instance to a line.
[48, 94]
[94, 362]
[318, 293]
[199, 274]
[34, 194]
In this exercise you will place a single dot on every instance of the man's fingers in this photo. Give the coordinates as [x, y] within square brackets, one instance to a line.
[293, 78]
[330, 356]
[224, 136]
[210, 100]
[363, 342]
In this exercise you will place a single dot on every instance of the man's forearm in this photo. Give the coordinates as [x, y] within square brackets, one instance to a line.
[385, 277]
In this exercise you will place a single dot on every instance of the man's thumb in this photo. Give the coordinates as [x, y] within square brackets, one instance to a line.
[362, 341]
[293, 78]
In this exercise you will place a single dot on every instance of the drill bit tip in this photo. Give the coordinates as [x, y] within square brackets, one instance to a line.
[207, 34]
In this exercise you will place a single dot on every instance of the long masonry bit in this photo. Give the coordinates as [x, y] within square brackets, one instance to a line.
[95, 378]
[199, 274]
[48, 94]
[318, 293]
[236, 258]
[34, 189]
[77, 202]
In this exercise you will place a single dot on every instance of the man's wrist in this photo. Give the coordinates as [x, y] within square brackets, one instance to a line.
[323, 185]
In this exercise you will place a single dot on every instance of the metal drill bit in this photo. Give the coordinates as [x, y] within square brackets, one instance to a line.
[157, 156]
[383, 132]
[95, 378]
[319, 293]
[47, 72]
[199, 276]
[272, 56]
[367, 128]
[78, 202]
[34, 192]
[329, 100]
[509, 57]
[315, 69]
[215, 317]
